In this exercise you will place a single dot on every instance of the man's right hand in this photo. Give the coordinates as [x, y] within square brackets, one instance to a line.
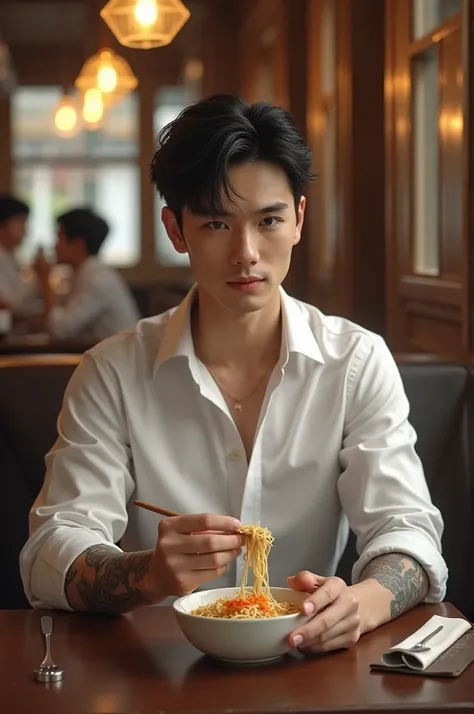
[192, 550]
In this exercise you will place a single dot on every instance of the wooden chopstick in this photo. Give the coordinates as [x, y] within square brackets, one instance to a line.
[156, 509]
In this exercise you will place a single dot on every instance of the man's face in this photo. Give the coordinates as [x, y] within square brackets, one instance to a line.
[64, 247]
[61, 246]
[13, 231]
[241, 258]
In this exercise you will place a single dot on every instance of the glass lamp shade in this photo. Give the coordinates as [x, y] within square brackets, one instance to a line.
[110, 74]
[93, 109]
[66, 117]
[144, 24]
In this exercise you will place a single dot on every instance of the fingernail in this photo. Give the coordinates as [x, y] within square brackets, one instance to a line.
[237, 524]
[298, 640]
[309, 608]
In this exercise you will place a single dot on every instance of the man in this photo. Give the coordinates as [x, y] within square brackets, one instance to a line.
[241, 405]
[100, 303]
[20, 297]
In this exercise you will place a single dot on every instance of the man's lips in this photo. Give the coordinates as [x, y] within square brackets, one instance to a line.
[245, 281]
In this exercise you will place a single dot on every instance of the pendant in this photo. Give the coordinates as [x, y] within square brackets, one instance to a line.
[238, 407]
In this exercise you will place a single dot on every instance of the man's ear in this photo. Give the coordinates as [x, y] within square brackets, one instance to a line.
[173, 230]
[300, 219]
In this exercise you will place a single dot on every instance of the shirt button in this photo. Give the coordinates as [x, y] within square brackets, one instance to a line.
[235, 455]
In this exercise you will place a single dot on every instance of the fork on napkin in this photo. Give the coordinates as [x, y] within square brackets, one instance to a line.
[404, 654]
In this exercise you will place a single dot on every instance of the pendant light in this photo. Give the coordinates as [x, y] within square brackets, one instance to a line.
[93, 109]
[110, 74]
[144, 24]
[66, 117]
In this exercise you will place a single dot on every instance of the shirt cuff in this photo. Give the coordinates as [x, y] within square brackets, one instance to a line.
[419, 548]
[65, 544]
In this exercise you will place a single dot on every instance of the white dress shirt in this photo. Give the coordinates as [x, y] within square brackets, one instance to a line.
[143, 419]
[100, 304]
[22, 297]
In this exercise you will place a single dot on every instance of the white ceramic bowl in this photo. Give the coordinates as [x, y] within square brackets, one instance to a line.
[242, 641]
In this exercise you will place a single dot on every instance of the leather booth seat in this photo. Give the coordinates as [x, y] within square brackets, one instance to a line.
[439, 396]
[31, 393]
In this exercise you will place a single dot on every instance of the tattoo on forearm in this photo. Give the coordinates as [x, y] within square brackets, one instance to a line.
[403, 576]
[110, 581]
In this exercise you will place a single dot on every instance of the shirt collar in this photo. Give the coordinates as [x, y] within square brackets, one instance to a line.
[298, 337]
[178, 340]
[297, 334]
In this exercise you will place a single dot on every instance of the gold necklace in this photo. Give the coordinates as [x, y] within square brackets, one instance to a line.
[237, 403]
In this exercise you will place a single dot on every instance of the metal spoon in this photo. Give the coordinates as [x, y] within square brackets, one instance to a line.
[420, 646]
[48, 671]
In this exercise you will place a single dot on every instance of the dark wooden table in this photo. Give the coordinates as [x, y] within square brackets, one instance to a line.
[43, 344]
[141, 664]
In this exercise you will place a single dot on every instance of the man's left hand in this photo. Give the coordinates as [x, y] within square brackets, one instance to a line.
[335, 622]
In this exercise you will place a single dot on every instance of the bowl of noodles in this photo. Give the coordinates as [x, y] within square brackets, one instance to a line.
[243, 624]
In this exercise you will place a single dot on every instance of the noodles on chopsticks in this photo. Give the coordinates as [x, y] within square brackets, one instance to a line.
[257, 603]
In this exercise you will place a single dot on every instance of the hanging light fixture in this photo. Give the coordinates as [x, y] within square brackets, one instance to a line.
[110, 74]
[143, 24]
[93, 109]
[66, 118]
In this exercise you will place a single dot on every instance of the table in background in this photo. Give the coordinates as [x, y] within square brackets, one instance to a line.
[141, 664]
[43, 344]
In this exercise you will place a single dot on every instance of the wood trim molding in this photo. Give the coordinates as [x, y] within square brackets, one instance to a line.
[431, 289]
[468, 173]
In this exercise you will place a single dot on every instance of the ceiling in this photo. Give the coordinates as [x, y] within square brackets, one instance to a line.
[52, 22]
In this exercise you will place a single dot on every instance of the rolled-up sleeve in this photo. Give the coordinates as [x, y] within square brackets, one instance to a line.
[87, 485]
[382, 486]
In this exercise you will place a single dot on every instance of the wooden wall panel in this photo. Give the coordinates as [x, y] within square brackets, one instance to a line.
[219, 48]
[365, 164]
[353, 284]
[425, 312]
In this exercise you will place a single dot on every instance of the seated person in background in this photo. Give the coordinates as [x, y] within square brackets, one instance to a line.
[100, 303]
[20, 297]
[242, 405]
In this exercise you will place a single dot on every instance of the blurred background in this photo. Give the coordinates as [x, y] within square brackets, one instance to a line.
[382, 90]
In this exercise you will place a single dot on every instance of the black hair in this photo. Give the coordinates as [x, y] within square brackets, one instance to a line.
[10, 207]
[86, 224]
[194, 152]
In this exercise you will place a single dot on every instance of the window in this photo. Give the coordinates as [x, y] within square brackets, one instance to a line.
[169, 102]
[54, 174]
[428, 14]
[425, 163]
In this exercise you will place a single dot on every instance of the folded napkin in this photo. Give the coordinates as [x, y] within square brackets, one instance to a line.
[402, 655]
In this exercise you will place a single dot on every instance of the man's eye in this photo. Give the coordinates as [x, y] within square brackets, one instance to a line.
[216, 225]
[271, 221]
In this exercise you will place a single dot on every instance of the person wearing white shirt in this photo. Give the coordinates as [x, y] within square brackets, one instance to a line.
[242, 405]
[19, 296]
[100, 303]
